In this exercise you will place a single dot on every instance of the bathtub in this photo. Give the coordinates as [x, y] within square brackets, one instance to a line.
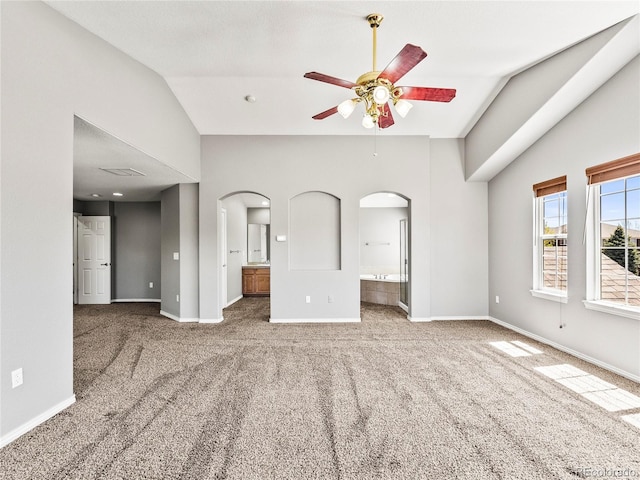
[384, 277]
[381, 289]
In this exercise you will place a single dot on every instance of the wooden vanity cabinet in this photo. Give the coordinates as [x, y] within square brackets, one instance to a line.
[256, 281]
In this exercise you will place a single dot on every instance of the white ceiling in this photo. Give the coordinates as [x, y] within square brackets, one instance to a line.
[95, 149]
[214, 53]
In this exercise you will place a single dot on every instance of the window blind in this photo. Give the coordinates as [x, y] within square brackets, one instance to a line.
[548, 187]
[622, 167]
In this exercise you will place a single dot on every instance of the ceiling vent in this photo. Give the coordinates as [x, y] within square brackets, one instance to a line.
[123, 172]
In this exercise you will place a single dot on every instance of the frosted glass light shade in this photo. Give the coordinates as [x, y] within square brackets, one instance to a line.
[346, 108]
[380, 95]
[367, 121]
[403, 107]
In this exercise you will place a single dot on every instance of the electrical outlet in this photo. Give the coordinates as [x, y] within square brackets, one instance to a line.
[307, 299]
[178, 298]
[330, 299]
[176, 255]
[150, 284]
[497, 299]
[16, 378]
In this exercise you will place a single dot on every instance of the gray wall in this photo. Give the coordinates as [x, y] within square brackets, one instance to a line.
[459, 236]
[179, 233]
[605, 127]
[170, 243]
[314, 232]
[259, 215]
[345, 167]
[189, 256]
[380, 227]
[102, 207]
[136, 250]
[48, 75]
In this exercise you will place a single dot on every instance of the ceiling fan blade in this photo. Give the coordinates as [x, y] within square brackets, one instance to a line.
[321, 77]
[326, 113]
[386, 119]
[428, 94]
[408, 58]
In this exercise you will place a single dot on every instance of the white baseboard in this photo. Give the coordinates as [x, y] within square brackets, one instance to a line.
[178, 319]
[570, 351]
[461, 317]
[33, 423]
[446, 318]
[211, 320]
[315, 320]
[234, 300]
[135, 300]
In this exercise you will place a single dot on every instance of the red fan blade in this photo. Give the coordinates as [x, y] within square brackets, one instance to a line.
[408, 58]
[428, 94]
[386, 119]
[321, 77]
[325, 114]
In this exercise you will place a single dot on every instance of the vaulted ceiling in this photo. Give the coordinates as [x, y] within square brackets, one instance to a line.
[215, 53]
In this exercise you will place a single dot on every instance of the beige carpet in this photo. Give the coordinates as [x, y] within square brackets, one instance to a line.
[384, 399]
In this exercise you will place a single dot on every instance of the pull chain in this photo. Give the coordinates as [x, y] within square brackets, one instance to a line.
[375, 140]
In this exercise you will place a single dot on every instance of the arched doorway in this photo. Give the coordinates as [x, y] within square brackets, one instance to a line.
[245, 245]
[385, 249]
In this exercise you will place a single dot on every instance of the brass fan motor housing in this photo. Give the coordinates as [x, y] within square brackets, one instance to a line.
[374, 19]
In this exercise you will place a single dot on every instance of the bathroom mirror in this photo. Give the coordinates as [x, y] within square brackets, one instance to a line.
[257, 243]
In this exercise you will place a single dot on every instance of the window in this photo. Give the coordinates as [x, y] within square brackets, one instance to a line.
[550, 245]
[613, 254]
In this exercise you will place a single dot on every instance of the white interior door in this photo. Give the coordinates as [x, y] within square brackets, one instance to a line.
[94, 260]
[75, 260]
[223, 258]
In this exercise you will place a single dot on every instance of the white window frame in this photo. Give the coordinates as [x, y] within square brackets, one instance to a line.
[593, 261]
[539, 289]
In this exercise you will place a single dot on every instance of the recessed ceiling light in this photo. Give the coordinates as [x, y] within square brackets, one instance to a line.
[118, 194]
[95, 195]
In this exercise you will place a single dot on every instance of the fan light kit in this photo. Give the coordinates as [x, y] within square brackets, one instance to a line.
[375, 89]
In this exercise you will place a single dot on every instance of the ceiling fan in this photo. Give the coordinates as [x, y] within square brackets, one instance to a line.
[376, 88]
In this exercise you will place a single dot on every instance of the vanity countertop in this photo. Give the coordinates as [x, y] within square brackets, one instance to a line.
[257, 265]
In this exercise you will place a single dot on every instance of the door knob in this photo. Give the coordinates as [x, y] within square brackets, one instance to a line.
[105, 264]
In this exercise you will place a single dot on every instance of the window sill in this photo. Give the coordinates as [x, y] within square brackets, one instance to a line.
[553, 296]
[612, 308]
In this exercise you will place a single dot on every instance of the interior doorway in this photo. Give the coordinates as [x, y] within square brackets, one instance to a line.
[92, 254]
[404, 264]
[385, 249]
[245, 246]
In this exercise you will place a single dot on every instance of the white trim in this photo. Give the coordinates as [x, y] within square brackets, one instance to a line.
[447, 318]
[178, 319]
[461, 317]
[612, 308]
[210, 320]
[554, 297]
[134, 300]
[314, 320]
[240, 297]
[34, 422]
[403, 307]
[568, 350]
